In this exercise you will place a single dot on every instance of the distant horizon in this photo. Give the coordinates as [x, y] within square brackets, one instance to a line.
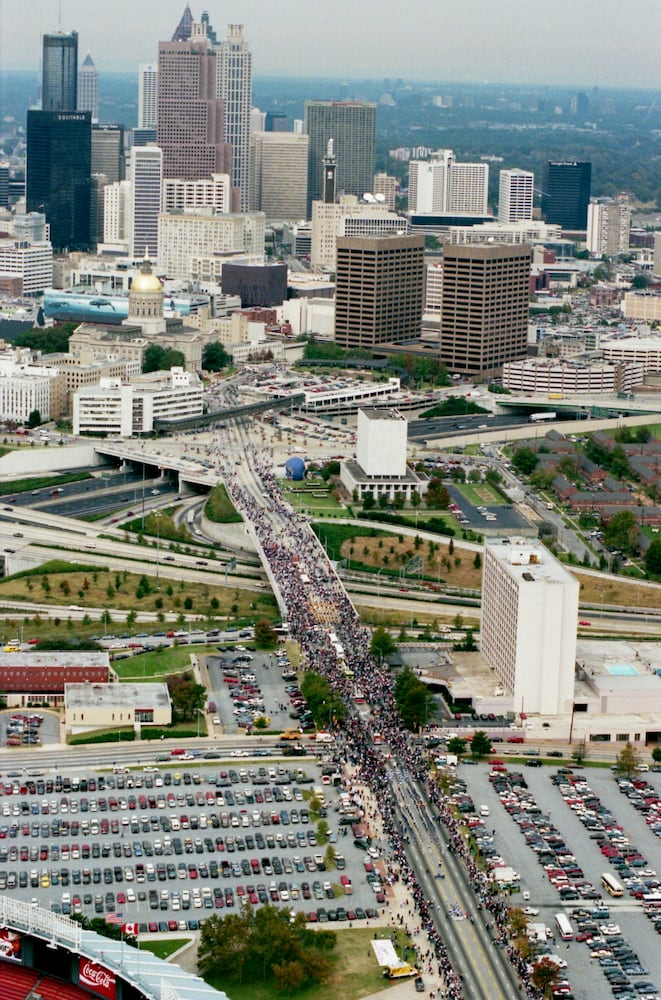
[428, 81]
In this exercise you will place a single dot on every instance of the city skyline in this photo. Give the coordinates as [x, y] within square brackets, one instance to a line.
[589, 44]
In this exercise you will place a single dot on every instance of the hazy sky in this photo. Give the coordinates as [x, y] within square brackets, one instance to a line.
[573, 42]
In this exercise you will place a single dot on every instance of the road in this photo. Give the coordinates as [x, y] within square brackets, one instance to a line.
[486, 972]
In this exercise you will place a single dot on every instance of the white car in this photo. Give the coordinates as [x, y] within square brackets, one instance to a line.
[530, 911]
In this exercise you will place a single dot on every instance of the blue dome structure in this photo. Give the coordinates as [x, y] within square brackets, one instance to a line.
[295, 469]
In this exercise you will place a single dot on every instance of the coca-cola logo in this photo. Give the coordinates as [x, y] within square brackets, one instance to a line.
[95, 976]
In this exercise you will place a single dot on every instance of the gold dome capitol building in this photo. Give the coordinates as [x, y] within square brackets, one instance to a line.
[146, 300]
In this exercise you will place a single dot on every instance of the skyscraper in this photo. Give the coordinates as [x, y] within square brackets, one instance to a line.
[444, 186]
[379, 290]
[59, 72]
[566, 193]
[58, 174]
[88, 88]
[279, 168]
[190, 116]
[234, 87]
[185, 27]
[515, 195]
[146, 184]
[484, 307]
[609, 225]
[108, 151]
[147, 95]
[352, 126]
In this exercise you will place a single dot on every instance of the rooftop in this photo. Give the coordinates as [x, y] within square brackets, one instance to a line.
[117, 695]
[529, 561]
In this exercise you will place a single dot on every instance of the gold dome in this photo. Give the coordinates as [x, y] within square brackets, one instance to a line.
[145, 281]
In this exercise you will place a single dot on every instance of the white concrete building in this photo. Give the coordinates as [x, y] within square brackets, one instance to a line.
[381, 442]
[528, 629]
[279, 175]
[207, 192]
[205, 233]
[234, 85]
[515, 195]
[442, 185]
[644, 351]
[386, 185]
[568, 375]
[504, 232]
[24, 388]
[348, 217]
[309, 315]
[643, 306]
[30, 264]
[117, 215]
[146, 193]
[103, 706]
[125, 409]
[147, 95]
[609, 225]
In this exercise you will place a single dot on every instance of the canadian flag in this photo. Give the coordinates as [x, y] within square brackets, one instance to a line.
[130, 929]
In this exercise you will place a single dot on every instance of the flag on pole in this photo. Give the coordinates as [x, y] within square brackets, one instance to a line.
[130, 929]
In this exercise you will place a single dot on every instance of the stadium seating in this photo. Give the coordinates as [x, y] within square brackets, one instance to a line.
[17, 982]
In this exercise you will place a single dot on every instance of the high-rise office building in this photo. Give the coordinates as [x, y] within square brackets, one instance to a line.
[147, 95]
[108, 151]
[484, 307]
[4, 185]
[515, 195]
[352, 126]
[279, 169]
[444, 186]
[276, 121]
[234, 87]
[184, 29]
[379, 290]
[58, 174]
[190, 116]
[59, 76]
[566, 193]
[386, 185]
[88, 88]
[528, 630]
[146, 187]
[609, 225]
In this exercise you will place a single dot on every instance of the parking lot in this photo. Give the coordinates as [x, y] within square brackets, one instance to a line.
[246, 684]
[521, 842]
[167, 847]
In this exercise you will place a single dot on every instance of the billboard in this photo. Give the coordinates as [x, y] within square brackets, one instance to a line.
[96, 978]
[10, 945]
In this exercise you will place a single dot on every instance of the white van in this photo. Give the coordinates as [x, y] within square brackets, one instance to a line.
[484, 810]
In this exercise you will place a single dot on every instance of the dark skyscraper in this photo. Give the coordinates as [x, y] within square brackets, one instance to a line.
[566, 194]
[58, 174]
[351, 125]
[185, 27]
[59, 81]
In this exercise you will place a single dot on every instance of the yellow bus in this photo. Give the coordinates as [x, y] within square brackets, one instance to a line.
[611, 885]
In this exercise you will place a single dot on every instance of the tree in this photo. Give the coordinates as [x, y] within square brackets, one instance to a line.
[622, 532]
[159, 358]
[187, 696]
[437, 495]
[656, 755]
[524, 460]
[477, 561]
[627, 761]
[457, 746]
[34, 418]
[368, 501]
[382, 643]
[265, 635]
[480, 745]
[517, 921]
[545, 975]
[215, 357]
[579, 753]
[414, 701]
[653, 558]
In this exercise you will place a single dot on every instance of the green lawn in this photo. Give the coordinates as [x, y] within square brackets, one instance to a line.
[481, 494]
[356, 972]
[163, 949]
[219, 507]
[159, 663]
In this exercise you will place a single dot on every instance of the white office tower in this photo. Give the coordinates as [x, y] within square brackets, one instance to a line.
[117, 215]
[528, 630]
[349, 217]
[146, 189]
[515, 195]
[429, 184]
[469, 189]
[88, 88]
[279, 175]
[147, 95]
[257, 121]
[213, 192]
[234, 85]
[609, 226]
[381, 442]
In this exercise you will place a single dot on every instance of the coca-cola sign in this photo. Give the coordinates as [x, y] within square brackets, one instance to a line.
[96, 978]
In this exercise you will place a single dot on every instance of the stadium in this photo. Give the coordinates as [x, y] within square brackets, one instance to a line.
[48, 957]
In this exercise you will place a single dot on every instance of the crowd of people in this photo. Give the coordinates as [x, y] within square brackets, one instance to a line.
[316, 605]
